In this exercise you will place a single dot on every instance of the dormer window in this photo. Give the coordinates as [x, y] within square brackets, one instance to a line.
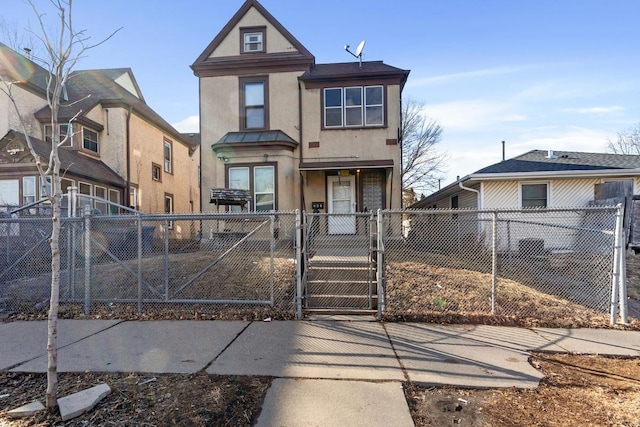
[64, 130]
[90, 140]
[252, 40]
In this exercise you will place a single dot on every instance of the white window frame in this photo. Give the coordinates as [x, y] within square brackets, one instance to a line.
[101, 206]
[247, 169]
[273, 184]
[248, 43]
[26, 197]
[364, 105]
[133, 197]
[85, 202]
[114, 197]
[369, 105]
[548, 200]
[97, 141]
[340, 107]
[168, 198]
[168, 161]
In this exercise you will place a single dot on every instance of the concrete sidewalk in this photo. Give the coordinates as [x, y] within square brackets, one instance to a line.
[354, 360]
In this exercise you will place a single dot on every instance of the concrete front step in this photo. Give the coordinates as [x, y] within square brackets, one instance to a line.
[344, 274]
[339, 287]
[340, 301]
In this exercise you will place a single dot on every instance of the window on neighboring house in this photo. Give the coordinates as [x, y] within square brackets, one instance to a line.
[84, 188]
[9, 194]
[156, 172]
[90, 140]
[355, 106]
[114, 197]
[259, 181]
[253, 39]
[534, 195]
[45, 187]
[66, 183]
[100, 205]
[28, 189]
[63, 131]
[254, 108]
[168, 154]
[133, 197]
[168, 206]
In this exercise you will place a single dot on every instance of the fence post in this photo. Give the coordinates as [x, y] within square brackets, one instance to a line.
[272, 250]
[87, 259]
[139, 224]
[622, 265]
[71, 206]
[380, 265]
[298, 298]
[615, 277]
[494, 260]
[166, 259]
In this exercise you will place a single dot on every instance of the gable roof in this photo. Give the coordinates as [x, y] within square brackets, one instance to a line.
[89, 88]
[537, 164]
[17, 67]
[206, 66]
[540, 161]
[72, 162]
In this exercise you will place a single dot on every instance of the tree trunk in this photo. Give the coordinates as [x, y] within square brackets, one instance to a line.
[52, 324]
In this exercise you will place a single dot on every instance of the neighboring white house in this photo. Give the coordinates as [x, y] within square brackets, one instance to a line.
[538, 178]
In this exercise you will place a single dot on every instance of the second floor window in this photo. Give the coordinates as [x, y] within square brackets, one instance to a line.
[90, 140]
[253, 109]
[63, 131]
[168, 154]
[356, 106]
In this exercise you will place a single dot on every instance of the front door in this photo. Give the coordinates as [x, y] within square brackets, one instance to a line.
[341, 195]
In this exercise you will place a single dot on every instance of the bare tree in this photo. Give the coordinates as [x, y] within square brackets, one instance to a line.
[422, 164]
[627, 142]
[18, 40]
[62, 50]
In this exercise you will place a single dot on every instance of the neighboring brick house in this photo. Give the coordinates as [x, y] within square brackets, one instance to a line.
[121, 149]
[294, 132]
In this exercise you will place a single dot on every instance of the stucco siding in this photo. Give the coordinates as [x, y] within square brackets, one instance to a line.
[230, 46]
[28, 105]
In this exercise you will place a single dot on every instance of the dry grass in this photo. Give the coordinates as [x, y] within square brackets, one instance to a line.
[576, 391]
[424, 292]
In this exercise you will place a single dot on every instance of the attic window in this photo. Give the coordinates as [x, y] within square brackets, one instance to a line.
[253, 39]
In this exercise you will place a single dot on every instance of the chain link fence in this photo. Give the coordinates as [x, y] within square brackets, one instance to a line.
[549, 265]
[552, 266]
[237, 265]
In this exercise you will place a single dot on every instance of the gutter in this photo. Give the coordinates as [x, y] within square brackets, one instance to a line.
[555, 174]
[301, 146]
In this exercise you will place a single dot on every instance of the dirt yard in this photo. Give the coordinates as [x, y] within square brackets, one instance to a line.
[576, 391]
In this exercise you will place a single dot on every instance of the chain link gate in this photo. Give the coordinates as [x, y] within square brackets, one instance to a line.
[339, 255]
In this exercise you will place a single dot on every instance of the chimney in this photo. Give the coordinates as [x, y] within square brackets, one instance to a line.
[503, 158]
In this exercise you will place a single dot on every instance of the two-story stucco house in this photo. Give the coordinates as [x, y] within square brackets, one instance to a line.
[294, 133]
[120, 149]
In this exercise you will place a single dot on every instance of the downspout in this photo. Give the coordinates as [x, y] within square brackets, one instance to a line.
[128, 181]
[475, 191]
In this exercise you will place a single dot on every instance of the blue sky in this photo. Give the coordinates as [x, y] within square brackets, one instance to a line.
[539, 74]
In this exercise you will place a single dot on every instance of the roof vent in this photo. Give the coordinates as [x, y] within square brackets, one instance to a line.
[551, 155]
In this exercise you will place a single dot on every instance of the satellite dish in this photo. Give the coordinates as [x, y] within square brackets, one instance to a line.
[359, 49]
[358, 53]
